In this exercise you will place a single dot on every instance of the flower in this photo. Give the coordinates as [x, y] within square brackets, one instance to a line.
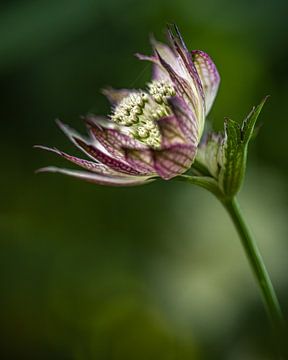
[153, 132]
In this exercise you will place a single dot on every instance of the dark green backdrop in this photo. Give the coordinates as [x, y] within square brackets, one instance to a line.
[154, 272]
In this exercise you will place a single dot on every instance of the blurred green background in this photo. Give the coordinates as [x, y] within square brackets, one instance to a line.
[153, 272]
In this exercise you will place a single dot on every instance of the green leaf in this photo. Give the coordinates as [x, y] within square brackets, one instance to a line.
[232, 171]
[236, 140]
[248, 124]
[221, 160]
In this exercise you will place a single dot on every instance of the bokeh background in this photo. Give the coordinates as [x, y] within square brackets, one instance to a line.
[153, 272]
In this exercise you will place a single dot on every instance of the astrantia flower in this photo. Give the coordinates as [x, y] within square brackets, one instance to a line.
[156, 132]
[153, 132]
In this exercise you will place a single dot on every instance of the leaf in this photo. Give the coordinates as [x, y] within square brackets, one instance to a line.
[248, 124]
[221, 159]
[232, 171]
[235, 146]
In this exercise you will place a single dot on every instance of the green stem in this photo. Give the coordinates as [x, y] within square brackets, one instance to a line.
[260, 272]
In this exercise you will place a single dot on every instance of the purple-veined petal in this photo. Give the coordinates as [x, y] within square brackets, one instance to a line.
[185, 91]
[104, 136]
[179, 62]
[98, 153]
[195, 82]
[171, 132]
[141, 159]
[181, 49]
[99, 179]
[123, 147]
[86, 164]
[174, 161]
[73, 134]
[181, 86]
[111, 138]
[136, 154]
[169, 56]
[209, 76]
[186, 119]
[106, 159]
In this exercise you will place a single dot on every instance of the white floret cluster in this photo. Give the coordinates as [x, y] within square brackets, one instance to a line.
[139, 111]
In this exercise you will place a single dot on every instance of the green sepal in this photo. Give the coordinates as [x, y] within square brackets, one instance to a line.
[232, 172]
[221, 160]
[248, 125]
[235, 146]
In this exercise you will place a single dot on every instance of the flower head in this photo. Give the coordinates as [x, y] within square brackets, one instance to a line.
[153, 132]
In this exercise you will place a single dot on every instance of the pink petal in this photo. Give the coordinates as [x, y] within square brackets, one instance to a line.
[123, 147]
[184, 89]
[209, 76]
[169, 56]
[174, 161]
[86, 164]
[141, 159]
[111, 162]
[186, 119]
[96, 153]
[99, 179]
[171, 132]
[112, 139]
[181, 49]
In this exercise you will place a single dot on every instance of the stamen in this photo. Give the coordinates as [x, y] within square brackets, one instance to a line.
[161, 91]
[128, 111]
[139, 112]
